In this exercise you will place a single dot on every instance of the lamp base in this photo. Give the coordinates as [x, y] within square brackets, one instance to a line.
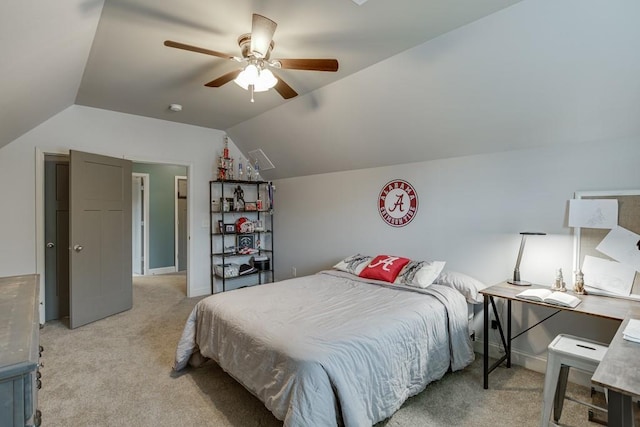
[519, 282]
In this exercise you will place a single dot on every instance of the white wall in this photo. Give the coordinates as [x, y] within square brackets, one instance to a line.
[114, 134]
[471, 210]
[541, 72]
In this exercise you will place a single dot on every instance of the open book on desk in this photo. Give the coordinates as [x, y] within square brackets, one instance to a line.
[550, 297]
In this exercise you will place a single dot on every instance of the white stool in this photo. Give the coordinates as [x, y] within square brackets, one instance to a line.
[564, 352]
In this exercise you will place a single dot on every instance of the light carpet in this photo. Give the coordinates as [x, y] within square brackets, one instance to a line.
[117, 372]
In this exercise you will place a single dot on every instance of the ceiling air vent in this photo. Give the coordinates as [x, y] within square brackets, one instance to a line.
[263, 161]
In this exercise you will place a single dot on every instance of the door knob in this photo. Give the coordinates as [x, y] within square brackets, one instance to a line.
[77, 248]
[50, 245]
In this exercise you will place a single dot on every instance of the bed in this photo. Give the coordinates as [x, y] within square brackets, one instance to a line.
[332, 348]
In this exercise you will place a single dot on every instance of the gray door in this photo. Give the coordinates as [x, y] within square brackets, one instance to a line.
[182, 227]
[56, 231]
[100, 237]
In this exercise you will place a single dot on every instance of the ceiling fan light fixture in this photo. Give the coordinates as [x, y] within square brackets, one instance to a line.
[266, 80]
[261, 79]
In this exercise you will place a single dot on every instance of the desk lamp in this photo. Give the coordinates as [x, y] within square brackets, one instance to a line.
[516, 271]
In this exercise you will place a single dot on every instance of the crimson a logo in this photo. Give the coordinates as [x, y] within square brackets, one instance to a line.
[398, 203]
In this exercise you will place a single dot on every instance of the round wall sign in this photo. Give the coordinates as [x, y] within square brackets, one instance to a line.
[398, 203]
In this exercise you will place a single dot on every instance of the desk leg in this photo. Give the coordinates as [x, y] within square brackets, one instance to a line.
[507, 347]
[620, 410]
[485, 337]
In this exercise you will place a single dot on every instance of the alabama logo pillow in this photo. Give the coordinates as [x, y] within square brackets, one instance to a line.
[384, 267]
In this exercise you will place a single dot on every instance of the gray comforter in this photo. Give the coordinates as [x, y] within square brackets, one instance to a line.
[330, 348]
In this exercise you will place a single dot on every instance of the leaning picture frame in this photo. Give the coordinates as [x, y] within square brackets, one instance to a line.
[246, 241]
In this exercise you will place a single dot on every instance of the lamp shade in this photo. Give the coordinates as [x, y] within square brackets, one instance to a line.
[516, 271]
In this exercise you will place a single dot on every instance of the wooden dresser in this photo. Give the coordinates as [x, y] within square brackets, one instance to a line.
[19, 351]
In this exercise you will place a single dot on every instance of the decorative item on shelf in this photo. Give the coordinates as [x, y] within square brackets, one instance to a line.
[246, 242]
[559, 284]
[230, 173]
[262, 263]
[243, 225]
[231, 203]
[516, 271]
[256, 170]
[249, 172]
[240, 171]
[239, 195]
[215, 206]
[229, 250]
[246, 269]
[225, 163]
[270, 190]
[259, 204]
[250, 206]
[578, 287]
[220, 226]
[227, 270]
[230, 228]
[258, 225]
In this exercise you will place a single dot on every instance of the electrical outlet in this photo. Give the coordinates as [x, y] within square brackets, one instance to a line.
[293, 272]
[494, 324]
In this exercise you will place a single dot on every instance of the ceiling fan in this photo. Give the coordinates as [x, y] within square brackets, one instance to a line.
[256, 47]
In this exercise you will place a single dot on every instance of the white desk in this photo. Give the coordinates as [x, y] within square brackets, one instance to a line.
[619, 372]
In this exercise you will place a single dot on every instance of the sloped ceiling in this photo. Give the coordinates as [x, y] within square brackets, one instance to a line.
[539, 73]
[44, 47]
[418, 79]
[47, 65]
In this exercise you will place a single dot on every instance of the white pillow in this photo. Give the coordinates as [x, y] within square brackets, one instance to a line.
[466, 285]
[419, 273]
[354, 264]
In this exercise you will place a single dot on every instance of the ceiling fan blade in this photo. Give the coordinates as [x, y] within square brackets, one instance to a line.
[225, 78]
[262, 30]
[309, 64]
[177, 45]
[284, 89]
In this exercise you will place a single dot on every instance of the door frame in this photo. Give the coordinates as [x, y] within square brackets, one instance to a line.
[145, 206]
[39, 210]
[175, 220]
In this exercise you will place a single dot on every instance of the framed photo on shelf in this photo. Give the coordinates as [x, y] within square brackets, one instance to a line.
[250, 206]
[246, 241]
[229, 228]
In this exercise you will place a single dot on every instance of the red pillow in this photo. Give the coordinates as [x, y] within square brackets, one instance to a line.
[384, 267]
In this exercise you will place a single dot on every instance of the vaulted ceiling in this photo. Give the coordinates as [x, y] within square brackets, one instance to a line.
[418, 79]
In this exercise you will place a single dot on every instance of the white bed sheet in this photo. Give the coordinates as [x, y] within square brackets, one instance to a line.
[331, 348]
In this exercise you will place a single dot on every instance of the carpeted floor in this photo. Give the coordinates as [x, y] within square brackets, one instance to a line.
[117, 372]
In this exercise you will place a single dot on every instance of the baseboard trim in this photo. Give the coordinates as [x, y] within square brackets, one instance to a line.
[531, 362]
[163, 270]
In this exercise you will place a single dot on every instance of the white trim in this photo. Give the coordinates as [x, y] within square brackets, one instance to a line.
[163, 270]
[146, 182]
[175, 220]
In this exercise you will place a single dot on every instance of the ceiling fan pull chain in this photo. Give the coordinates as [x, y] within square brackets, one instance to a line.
[251, 92]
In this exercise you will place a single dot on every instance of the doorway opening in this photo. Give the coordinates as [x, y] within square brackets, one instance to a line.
[54, 272]
[140, 223]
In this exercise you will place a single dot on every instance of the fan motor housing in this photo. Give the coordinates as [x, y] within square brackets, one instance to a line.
[244, 41]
